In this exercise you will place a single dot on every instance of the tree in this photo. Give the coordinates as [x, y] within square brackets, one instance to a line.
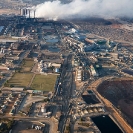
[11, 85]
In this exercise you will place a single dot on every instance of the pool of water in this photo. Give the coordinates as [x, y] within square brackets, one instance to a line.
[90, 99]
[90, 92]
[106, 124]
[53, 49]
[130, 72]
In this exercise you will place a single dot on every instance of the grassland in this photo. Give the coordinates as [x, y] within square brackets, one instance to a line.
[19, 80]
[44, 82]
[34, 81]
[27, 65]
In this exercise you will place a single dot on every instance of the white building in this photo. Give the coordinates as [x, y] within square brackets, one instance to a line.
[78, 75]
[93, 71]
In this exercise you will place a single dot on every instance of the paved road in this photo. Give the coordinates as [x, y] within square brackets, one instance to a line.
[64, 92]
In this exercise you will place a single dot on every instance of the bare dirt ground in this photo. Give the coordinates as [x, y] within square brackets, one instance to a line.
[126, 107]
[22, 126]
[116, 115]
[120, 93]
[30, 131]
[111, 29]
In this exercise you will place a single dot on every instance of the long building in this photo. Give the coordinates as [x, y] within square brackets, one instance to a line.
[93, 71]
[78, 75]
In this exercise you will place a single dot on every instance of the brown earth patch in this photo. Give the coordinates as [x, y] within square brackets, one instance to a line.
[120, 93]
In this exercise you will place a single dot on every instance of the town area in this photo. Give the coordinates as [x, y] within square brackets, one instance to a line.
[57, 77]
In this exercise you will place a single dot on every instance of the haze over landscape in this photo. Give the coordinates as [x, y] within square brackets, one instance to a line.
[82, 9]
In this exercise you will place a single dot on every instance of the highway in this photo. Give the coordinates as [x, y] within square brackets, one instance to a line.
[66, 92]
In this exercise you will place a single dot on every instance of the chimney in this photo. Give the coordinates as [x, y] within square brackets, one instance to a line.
[34, 13]
[29, 13]
[26, 12]
[23, 12]
[20, 12]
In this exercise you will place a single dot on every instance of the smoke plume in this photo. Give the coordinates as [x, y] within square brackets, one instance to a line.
[85, 8]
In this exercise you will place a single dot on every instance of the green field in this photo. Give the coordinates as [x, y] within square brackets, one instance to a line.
[44, 82]
[19, 80]
[27, 65]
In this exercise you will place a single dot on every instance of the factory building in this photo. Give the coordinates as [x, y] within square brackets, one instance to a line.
[78, 74]
[45, 66]
[23, 12]
[28, 11]
[93, 71]
[76, 62]
[2, 50]
[14, 89]
[89, 41]
[4, 67]
[15, 45]
[90, 44]
[89, 47]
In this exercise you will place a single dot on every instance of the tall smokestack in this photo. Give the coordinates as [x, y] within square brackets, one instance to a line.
[29, 13]
[26, 11]
[23, 12]
[34, 13]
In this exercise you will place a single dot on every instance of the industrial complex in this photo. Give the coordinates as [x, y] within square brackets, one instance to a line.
[57, 77]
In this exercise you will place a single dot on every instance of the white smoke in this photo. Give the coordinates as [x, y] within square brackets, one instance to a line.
[85, 8]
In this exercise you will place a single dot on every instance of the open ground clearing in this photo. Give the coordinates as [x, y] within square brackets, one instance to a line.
[27, 65]
[40, 82]
[120, 93]
[44, 82]
[22, 127]
[19, 80]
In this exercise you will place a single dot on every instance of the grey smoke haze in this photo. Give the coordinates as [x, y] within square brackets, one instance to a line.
[85, 8]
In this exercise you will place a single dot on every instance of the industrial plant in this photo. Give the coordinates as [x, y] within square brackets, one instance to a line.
[63, 74]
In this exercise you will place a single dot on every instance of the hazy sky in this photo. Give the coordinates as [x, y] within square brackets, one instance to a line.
[84, 8]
